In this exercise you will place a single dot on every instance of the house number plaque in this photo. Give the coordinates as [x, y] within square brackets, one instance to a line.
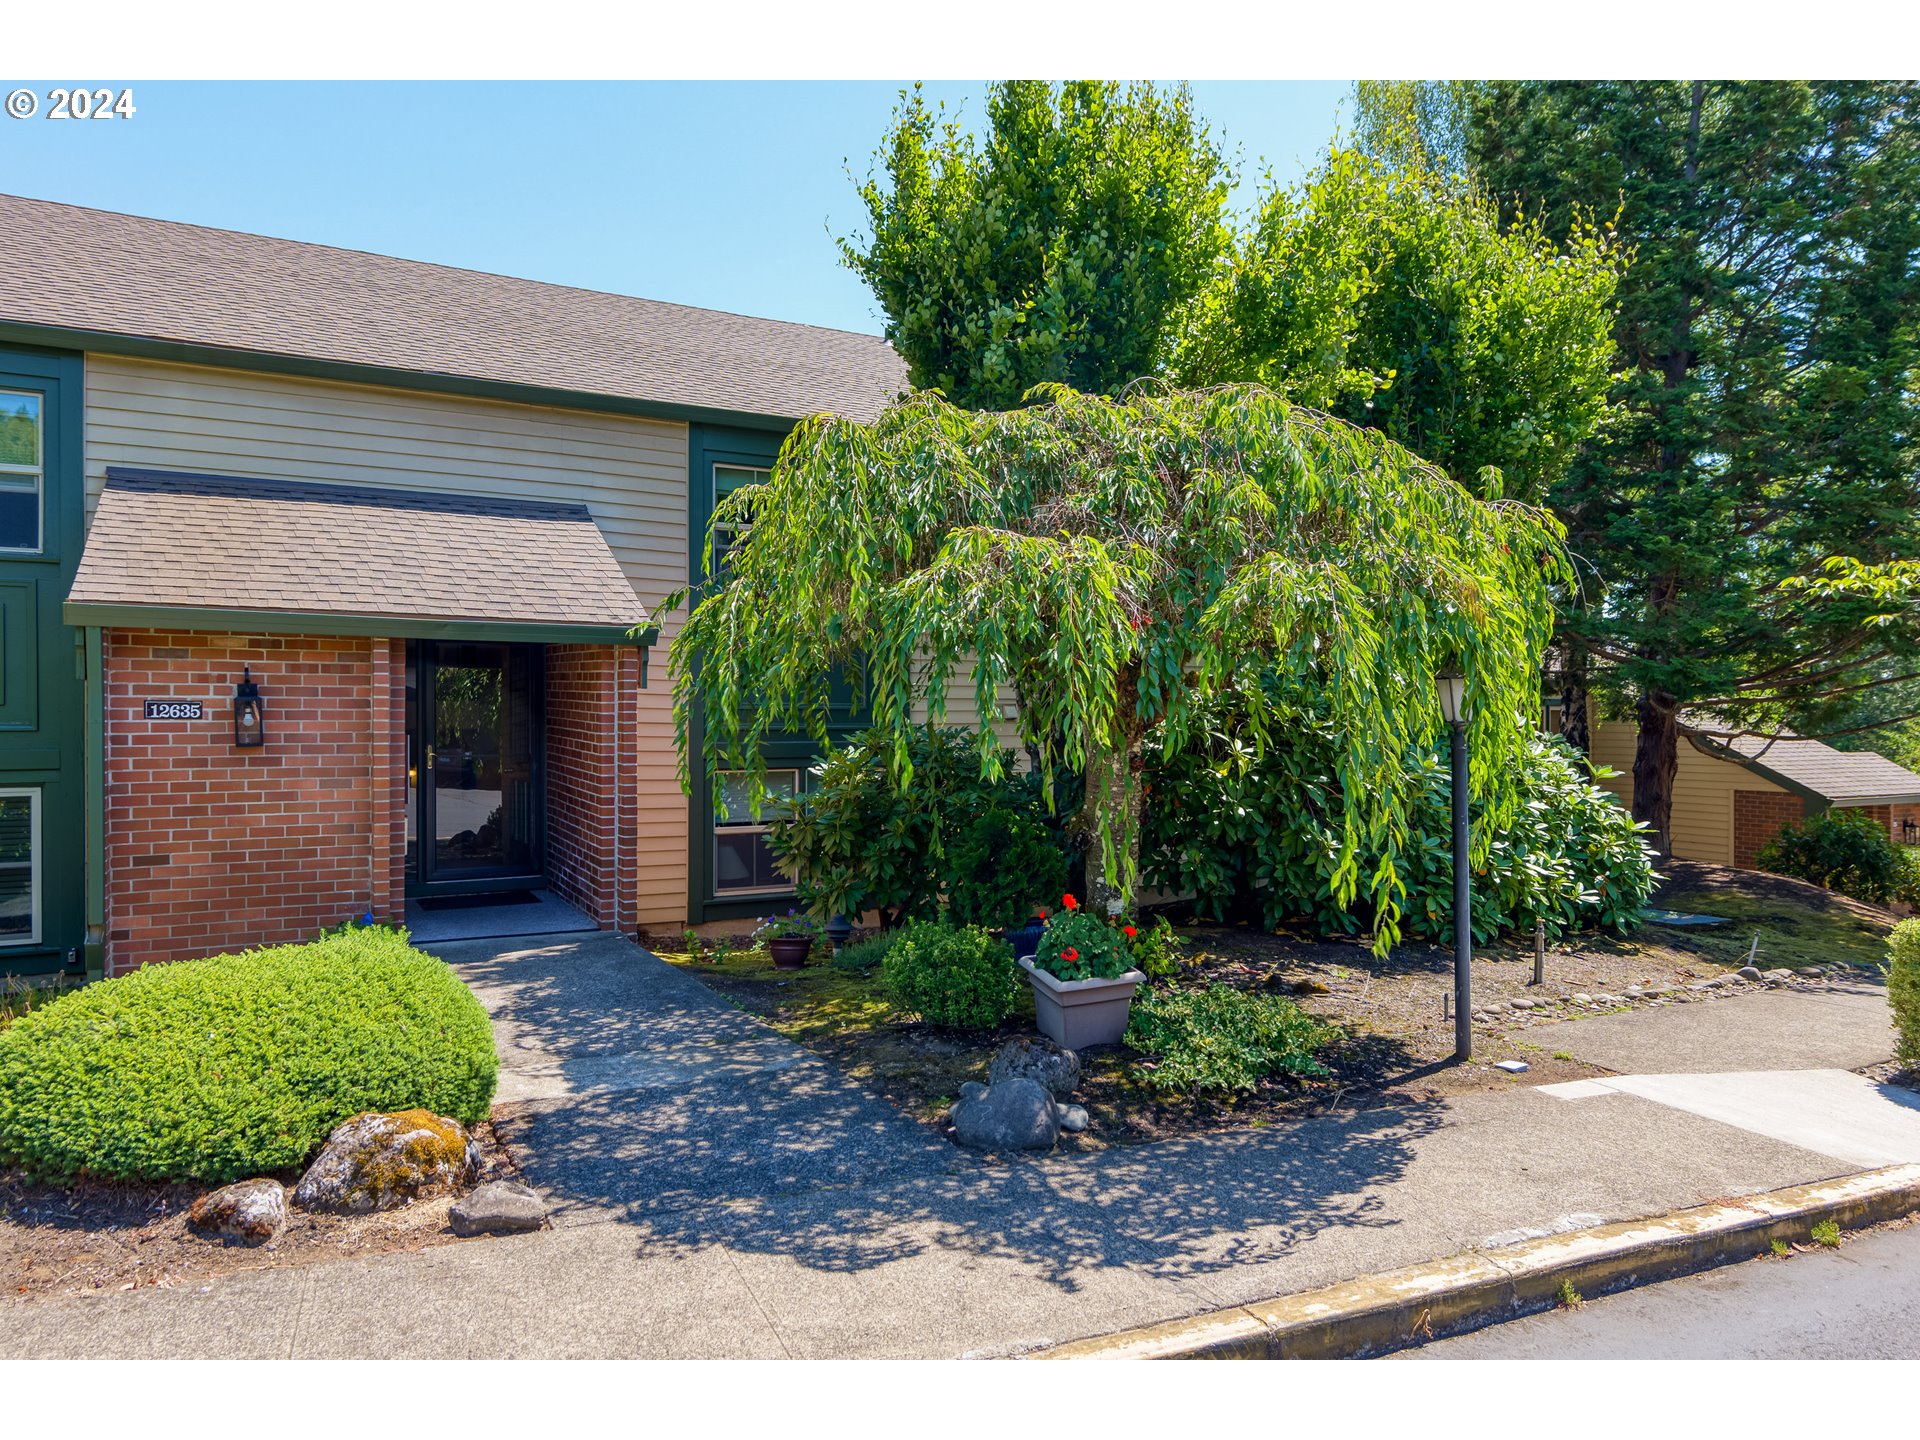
[173, 709]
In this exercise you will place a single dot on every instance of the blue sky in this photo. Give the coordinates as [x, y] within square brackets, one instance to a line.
[724, 195]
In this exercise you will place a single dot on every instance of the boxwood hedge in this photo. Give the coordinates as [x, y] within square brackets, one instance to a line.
[239, 1065]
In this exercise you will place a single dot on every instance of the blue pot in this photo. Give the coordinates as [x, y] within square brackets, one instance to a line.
[1026, 940]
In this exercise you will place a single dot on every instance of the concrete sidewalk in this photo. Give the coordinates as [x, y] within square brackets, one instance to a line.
[721, 1193]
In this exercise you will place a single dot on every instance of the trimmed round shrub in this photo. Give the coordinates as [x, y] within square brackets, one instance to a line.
[1903, 989]
[1848, 851]
[239, 1065]
[1221, 1038]
[951, 975]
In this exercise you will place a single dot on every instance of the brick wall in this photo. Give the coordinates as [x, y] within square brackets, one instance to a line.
[592, 801]
[1757, 818]
[213, 848]
[1901, 817]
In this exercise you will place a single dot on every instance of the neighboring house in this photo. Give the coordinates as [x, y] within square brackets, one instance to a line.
[1732, 793]
[422, 512]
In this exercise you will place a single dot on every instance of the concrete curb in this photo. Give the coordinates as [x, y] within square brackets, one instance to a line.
[1378, 1313]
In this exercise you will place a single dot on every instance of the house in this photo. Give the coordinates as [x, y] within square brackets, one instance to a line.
[1732, 793]
[325, 580]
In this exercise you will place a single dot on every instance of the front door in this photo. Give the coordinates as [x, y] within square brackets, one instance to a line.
[478, 805]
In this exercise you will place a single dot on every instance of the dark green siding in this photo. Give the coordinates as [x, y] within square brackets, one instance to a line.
[42, 664]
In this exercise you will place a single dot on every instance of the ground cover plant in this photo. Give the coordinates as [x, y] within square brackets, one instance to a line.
[1220, 1038]
[239, 1065]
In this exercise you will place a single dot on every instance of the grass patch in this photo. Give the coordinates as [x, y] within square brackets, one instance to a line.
[1568, 1297]
[1795, 929]
[1827, 1233]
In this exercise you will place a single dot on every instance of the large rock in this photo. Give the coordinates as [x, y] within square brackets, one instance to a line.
[500, 1207]
[1034, 1057]
[378, 1162]
[1015, 1114]
[251, 1212]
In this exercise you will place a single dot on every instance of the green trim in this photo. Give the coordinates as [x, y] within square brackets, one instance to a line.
[387, 627]
[265, 362]
[93, 767]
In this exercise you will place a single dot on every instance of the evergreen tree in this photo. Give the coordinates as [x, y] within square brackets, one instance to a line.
[1768, 342]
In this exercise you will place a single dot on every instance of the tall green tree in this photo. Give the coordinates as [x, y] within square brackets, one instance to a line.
[1059, 248]
[1391, 296]
[1116, 559]
[1768, 344]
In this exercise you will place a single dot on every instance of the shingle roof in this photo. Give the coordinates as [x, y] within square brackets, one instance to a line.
[213, 542]
[75, 268]
[1844, 777]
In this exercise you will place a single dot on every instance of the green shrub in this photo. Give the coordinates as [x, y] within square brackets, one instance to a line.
[1848, 851]
[1075, 946]
[857, 842]
[1157, 948]
[240, 1064]
[1004, 863]
[951, 975]
[863, 955]
[1903, 989]
[1221, 1038]
[1252, 830]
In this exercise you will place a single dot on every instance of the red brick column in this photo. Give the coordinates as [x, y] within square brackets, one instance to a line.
[592, 807]
[212, 848]
[1758, 816]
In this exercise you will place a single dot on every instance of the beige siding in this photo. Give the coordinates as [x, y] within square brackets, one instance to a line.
[1702, 791]
[630, 473]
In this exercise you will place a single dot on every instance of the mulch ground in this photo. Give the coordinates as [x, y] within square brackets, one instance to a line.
[98, 1236]
[1394, 1013]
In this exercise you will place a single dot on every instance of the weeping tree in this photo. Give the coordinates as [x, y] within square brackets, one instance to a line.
[1107, 562]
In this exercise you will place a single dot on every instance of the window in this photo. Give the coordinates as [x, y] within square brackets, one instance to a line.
[21, 452]
[742, 860]
[726, 480]
[19, 867]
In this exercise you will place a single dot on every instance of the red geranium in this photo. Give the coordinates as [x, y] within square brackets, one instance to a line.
[1069, 902]
[1070, 955]
[1128, 931]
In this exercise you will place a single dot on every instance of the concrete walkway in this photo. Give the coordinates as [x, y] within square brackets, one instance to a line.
[720, 1192]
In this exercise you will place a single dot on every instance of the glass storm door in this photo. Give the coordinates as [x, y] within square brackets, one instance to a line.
[476, 756]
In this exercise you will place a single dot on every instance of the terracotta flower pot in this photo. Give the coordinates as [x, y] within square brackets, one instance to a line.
[790, 951]
[1076, 1013]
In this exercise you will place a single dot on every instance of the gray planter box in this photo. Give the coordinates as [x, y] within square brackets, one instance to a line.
[1077, 1013]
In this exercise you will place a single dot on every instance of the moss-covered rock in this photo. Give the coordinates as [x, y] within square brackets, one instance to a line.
[379, 1162]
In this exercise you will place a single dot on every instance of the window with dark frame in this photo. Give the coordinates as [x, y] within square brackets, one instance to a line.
[22, 461]
[19, 867]
[743, 861]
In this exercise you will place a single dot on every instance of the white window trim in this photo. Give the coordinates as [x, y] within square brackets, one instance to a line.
[32, 794]
[37, 472]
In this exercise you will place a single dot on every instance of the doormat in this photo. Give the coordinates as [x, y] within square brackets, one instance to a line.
[470, 902]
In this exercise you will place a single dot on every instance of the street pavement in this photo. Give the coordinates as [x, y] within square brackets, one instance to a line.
[719, 1191]
[1859, 1302]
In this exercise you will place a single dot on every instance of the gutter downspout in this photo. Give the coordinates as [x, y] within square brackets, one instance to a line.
[93, 767]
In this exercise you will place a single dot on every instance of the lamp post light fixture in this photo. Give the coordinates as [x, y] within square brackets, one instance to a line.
[1453, 705]
[249, 711]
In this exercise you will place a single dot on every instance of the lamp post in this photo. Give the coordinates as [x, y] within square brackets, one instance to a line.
[1453, 705]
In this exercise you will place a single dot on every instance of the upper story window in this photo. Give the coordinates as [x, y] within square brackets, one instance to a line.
[726, 480]
[22, 453]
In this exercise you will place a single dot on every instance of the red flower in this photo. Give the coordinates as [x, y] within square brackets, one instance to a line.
[1043, 912]
[1070, 954]
[1128, 931]
[1069, 902]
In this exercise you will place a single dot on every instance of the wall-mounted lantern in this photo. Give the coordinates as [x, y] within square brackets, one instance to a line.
[249, 711]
